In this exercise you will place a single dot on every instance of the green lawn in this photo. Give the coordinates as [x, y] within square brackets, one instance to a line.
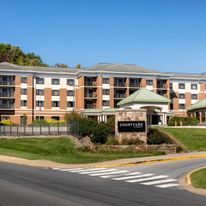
[193, 139]
[59, 150]
[199, 178]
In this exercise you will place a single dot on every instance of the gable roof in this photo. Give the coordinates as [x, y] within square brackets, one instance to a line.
[144, 95]
[109, 67]
[198, 105]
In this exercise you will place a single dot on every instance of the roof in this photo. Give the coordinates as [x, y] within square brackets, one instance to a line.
[198, 105]
[9, 66]
[144, 95]
[107, 110]
[106, 67]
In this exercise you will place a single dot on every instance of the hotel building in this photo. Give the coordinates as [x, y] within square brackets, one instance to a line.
[48, 92]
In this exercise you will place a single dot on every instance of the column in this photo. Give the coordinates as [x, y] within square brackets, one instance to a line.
[200, 117]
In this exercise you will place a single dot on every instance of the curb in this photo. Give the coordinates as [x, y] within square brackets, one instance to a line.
[186, 183]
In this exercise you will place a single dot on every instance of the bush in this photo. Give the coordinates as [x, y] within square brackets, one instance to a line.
[39, 121]
[100, 133]
[6, 122]
[71, 117]
[112, 140]
[185, 121]
[86, 127]
[131, 141]
[155, 137]
[111, 123]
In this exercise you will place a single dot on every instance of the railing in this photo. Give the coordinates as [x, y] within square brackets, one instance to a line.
[41, 129]
[119, 95]
[6, 106]
[162, 86]
[6, 83]
[90, 84]
[7, 94]
[90, 95]
[134, 85]
[117, 84]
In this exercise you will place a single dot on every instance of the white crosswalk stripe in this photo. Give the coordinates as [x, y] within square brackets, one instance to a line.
[132, 177]
[94, 172]
[109, 173]
[147, 179]
[159, 182]
[117, 175]
[167, 185]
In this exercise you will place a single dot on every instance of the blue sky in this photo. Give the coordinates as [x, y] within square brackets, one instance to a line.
[168, 35]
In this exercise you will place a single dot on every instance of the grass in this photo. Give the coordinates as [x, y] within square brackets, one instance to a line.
[60, 150]
[198, 179]
[193, 139]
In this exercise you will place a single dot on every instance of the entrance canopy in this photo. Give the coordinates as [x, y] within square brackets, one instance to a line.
[198, 106]
[156, 105]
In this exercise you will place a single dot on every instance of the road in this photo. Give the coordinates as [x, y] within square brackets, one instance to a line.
[140, 185]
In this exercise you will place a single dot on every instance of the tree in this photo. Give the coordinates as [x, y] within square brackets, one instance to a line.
[15, 55]
[61, 65]
[78, 66]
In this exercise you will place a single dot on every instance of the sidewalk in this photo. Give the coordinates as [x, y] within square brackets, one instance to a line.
[113, 163]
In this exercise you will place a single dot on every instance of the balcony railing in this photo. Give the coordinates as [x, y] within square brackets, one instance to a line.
[5, 106]
[162, 86]
[6, 94]
[134, 85]
[118, 84]
[90, 84]
[119, 96]
[90, 95]
[6, 83]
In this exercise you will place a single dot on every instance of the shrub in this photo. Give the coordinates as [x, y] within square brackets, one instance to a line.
[155, 137]
[111, 123]
[71, 116]
[39, 121]
[185, 121]
[112, 140]
[86, 126]
[6, 122]
[100, 133]
[131, 141]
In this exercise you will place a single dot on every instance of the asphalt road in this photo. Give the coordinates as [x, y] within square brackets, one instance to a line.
[28, 186]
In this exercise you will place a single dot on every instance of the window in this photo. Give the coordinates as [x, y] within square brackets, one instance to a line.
[39, 80]
[170, 85]
[193, 86]
[23, 79]
[70, 104]
[149, 82]
[39, 92]
[23, 103]
[171, 106]
[194, 96]
[55, 92]
[55, 103]
[23, 91]
[105, 80]
[70, 82]
[181, 96]
[39, 117]
[55, 117]
[70, 93]
[181, 86]
[105, 103]
[181, 106]
[39, 103]
[105, 91]
[55, 82]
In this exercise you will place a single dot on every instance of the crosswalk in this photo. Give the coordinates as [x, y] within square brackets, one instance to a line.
[116, 174]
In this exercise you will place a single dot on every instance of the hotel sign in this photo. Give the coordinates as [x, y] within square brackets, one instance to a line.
[131, 126]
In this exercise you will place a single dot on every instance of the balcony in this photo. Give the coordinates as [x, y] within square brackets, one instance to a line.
[7, 95]
[90, 95]
[7, 83]
[162, 86]
[134, 84]
[119, 96]
[6, 106]
[91, 84]
[119, 84]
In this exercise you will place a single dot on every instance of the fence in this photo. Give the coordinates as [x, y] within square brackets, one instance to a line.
[40, 129]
